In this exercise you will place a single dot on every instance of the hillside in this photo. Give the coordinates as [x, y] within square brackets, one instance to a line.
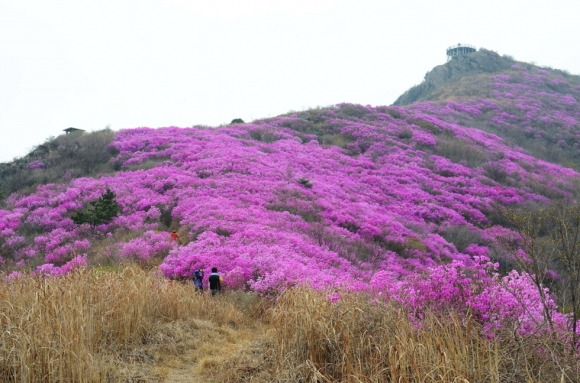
[388, 199]
[534, 108]
[445, 81]
[59, 158]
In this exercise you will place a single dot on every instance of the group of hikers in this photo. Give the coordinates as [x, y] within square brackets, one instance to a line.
[215, 279]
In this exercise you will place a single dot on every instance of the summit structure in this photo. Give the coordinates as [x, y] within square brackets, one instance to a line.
[459, 49]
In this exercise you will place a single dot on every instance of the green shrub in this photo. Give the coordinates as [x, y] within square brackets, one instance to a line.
[350, 226]
[414, 243]
[425, 125]
[460, 151]
[353, 250]
[353, 110]
[264, 136]
[495, 173]
[308, 215]
[335, 139]
[461, 236]
[305, 182]
[394, 113]
[223, 232]
[387, 244]
[99, 211]
[405, 134]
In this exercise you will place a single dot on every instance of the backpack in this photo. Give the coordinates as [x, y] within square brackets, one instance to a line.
[198, 274]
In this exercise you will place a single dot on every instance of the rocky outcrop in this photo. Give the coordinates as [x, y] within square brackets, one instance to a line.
[482, 61]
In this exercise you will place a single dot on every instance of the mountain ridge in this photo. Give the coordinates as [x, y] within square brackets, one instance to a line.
[481, 61]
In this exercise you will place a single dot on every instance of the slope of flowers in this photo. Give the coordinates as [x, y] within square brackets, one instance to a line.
[535, 107]
[368, 198]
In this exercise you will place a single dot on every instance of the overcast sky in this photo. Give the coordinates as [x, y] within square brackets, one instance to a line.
[131, 63]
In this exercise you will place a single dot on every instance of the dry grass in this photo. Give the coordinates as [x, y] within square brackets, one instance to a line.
[95, 326]
[358, 340]
[131, 326]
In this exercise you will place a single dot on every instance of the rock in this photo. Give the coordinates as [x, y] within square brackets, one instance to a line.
[482, 61]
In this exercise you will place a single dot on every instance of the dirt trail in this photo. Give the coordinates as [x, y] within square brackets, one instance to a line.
[183, 370]
[223, 350]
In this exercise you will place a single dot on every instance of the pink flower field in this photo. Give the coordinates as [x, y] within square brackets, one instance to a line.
[397, 201]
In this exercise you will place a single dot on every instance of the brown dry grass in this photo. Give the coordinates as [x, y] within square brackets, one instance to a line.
[105, 326]
[131, 326]
[361, 340]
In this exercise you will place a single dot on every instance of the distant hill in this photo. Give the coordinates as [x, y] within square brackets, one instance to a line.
[535, 108]
[58, 159]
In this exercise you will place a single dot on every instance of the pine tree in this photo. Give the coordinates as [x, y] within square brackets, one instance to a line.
[99, 211]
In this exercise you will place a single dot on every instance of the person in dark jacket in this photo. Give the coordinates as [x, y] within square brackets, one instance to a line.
[198, 279]
[215, 281]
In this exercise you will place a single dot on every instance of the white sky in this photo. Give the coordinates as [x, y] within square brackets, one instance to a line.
[130, 63]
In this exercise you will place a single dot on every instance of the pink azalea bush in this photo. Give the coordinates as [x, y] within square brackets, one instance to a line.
[147, 246]
[49, 269]
[474, 288]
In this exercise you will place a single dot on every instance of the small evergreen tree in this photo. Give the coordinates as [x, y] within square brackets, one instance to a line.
[99, 211]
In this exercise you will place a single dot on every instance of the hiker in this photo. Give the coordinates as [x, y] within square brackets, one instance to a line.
[198, 279]
[175, 236]
[215, 281]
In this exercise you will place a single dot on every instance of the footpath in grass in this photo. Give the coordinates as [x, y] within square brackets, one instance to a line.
[209, 351]
[125, 325]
